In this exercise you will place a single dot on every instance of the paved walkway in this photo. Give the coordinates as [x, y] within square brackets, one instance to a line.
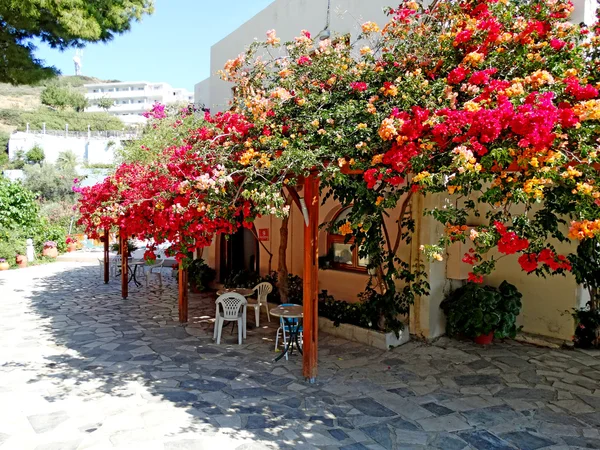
[80, 368]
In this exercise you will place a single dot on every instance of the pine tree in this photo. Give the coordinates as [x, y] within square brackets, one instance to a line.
[60, 24]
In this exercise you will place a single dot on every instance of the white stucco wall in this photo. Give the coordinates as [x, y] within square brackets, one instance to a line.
[289, 17]
[92, 151]
[202, 93]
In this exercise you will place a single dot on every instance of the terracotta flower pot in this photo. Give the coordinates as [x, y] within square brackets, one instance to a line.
[4, 266]
[51, 252]
[485, 339]
[21, 260]
[71, 247]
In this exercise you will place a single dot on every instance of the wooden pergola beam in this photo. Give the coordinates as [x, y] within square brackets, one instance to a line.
[310, 344]
[124, 277]
[106, 262]
[183, 294]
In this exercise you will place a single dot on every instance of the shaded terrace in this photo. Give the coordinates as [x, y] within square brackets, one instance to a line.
[82, 368]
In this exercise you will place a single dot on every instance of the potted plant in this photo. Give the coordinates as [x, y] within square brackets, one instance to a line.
[21, 261]
[4, 265]
[482, 312]
[586, 268]
[71, 244]
[200, 275]
[50, 249]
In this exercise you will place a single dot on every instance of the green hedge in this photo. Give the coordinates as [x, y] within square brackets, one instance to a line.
[56, 120]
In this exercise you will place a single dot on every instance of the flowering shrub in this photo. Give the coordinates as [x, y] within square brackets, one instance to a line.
[71, 240]
[493, 105]
[50, 244]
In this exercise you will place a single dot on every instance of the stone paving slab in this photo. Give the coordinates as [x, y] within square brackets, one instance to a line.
[81, 368]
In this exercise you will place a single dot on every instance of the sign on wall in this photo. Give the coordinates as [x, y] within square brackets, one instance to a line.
[263, 234]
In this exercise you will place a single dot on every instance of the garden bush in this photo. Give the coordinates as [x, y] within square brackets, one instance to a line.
[12, 243]
[60, 213]
[474, 309]
[35, 155]
[18, 206]
[50, 183]
[49, 231]
[200, 274]
[362, 314]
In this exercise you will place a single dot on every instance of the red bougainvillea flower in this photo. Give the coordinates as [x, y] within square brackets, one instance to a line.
[457, 75]
[557, 44]
[359, 86]
[475, 278]
[528, 262]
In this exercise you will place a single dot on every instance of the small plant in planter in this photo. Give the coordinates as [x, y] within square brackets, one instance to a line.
[482, 312]
[50, 249]
[200, 275]
[587, 325]
[4, 264]
[71, 243]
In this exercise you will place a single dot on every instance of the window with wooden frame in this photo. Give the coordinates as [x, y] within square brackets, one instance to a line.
[343, 253]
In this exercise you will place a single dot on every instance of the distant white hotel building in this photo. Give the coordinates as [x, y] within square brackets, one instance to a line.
[132, 98]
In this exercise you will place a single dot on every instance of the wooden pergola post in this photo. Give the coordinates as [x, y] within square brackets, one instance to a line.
[183, 294]
[106, 262]
[311, 279]
[124, 274]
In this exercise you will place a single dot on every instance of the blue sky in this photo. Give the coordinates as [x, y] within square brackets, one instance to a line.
[172, 45]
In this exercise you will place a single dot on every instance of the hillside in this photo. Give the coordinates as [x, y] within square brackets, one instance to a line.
[20, 105]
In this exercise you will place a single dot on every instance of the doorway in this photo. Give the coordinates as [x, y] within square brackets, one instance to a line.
[238, 251]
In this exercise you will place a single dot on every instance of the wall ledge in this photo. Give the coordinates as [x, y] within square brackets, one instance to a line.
[372, 338]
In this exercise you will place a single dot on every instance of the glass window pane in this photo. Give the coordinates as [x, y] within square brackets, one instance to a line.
[362, 262]
[342, 253]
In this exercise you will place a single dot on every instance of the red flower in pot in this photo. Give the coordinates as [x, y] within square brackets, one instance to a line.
[71, 243]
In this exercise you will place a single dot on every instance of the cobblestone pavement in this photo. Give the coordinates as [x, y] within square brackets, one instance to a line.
[80, 368]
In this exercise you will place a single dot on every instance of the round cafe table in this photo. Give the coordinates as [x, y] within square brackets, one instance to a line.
[132, 266]
[290, 314]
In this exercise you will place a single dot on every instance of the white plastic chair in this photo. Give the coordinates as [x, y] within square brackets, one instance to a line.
[154, 269]
[262, 291]
[233, 307]
[115, 265]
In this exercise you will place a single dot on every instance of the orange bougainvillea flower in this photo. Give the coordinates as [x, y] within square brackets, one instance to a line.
[345, 229]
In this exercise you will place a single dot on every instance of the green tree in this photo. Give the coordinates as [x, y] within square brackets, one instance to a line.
[50, 183]
[56, 96]
[62, 97]
[18, 162]
[66, 160]
[78, 101]
[60, 24]
[105, 103]
[35, 155]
